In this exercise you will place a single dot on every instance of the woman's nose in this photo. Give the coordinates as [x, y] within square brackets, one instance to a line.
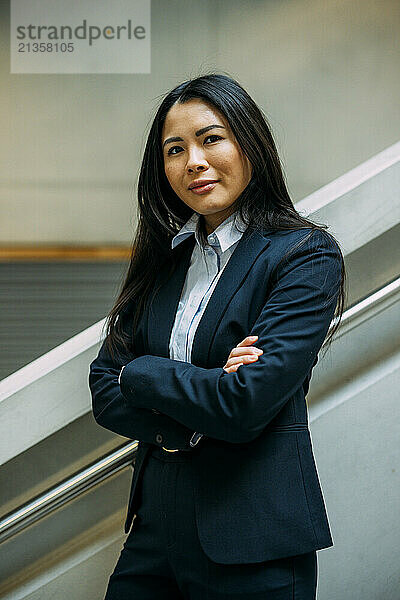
[196, 161]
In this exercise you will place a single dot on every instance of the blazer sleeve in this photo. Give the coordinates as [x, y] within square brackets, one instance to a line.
[292, 326]
[114, 412]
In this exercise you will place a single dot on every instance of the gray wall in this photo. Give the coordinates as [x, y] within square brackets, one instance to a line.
[327, 74]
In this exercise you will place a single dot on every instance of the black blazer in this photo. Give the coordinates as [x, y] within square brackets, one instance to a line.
[257, 491]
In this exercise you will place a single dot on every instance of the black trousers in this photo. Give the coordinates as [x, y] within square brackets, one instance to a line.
[162, 558]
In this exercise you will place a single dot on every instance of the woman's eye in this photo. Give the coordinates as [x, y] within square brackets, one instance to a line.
[173, 148]
[217, 137]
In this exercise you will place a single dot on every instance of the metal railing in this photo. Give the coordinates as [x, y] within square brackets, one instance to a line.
[69, 488]
[119, 459]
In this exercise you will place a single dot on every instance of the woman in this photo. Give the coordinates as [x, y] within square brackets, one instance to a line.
[208, 356]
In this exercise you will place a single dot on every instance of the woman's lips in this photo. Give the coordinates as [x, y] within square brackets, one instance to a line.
[203, 189]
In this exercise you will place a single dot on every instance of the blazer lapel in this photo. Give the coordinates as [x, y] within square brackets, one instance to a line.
[248, 249]
[161, 315]
[163, 307]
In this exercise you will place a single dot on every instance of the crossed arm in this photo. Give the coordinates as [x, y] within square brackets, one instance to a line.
[113, 411]
[234, 407]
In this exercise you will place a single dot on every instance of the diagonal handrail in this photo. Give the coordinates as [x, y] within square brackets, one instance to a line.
[66, 490]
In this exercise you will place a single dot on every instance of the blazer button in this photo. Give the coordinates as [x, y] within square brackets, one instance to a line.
[159, 438]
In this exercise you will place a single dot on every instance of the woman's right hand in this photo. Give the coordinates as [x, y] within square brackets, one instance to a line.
[242, 354]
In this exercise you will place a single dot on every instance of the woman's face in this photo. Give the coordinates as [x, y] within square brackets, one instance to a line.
[199, 145]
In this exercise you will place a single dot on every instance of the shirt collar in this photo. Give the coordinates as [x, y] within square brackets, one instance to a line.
[226, 234]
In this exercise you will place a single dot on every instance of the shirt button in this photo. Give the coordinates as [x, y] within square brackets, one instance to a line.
[159, 438]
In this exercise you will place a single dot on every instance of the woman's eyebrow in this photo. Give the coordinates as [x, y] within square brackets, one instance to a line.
[199, 132]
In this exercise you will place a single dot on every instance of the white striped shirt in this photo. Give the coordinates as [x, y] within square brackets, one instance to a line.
[206, 266]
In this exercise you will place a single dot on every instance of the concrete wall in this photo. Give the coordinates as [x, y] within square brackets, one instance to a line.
[357, 453]
[326, 74]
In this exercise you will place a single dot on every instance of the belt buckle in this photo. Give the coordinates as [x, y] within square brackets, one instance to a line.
[194, 440]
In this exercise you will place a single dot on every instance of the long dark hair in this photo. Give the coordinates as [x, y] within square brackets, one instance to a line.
[265, 202]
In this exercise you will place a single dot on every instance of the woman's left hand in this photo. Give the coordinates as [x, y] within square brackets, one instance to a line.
[242, 354]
